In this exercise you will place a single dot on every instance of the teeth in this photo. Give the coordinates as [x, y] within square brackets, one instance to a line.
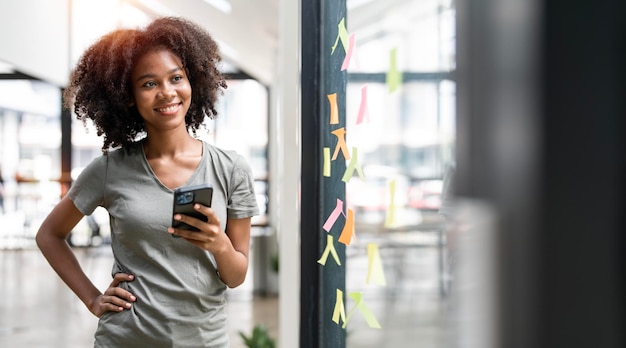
[168, 109]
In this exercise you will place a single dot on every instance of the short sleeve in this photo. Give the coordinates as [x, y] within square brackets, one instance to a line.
[242, 199]
[87, 192]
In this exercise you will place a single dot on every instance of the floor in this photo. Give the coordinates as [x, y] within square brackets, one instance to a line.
[37, 309]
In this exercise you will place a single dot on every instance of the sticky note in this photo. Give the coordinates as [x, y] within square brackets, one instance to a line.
[341, 143]
[363, 115]
[394, 76]
[327, 161]
[367, 313]
[354, 164]
[348, 57]
[330, 221]
[342, 36]
[339, 311]
[330, 249]
[375, 272]
[334, 110]
[348, 229]
[390, 214]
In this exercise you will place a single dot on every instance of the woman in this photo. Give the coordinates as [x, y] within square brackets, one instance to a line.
[145, 90]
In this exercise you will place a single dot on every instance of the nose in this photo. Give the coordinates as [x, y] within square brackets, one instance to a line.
[166, 92]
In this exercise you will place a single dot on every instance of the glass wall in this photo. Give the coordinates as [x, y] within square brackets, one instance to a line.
[30, 160]
[401, 117]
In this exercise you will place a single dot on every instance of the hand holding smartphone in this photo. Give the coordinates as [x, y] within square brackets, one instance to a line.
[184, 199]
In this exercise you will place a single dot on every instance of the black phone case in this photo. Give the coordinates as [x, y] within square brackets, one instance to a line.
[185, 197]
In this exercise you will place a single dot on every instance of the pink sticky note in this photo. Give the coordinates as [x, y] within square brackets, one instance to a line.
[346, 59]
[363, 114]
[333, 216]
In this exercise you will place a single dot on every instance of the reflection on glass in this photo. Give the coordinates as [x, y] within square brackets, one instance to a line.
[30, 139]
[405, 144]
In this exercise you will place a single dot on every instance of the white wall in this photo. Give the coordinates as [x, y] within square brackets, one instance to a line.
[34, 38]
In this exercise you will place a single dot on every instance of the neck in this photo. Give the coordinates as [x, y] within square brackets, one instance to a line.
[154, 147]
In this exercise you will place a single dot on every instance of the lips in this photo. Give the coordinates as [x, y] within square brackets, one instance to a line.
[168, 109]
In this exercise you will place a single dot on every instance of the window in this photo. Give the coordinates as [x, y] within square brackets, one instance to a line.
[404, 143]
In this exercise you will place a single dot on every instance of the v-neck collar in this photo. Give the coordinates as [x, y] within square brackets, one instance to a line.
[190, 180]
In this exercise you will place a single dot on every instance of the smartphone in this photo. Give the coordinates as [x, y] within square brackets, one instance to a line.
[184, 199]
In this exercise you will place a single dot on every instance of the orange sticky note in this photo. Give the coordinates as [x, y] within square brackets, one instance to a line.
[375, 273]
[340, 310]
[334, 110]
[348, 229]
[330, 249]
[341, 143]
[327, 161]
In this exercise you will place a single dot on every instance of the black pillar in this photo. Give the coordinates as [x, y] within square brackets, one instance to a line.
[541, 138]
[66, 149]
[321, 76]
[582, 274]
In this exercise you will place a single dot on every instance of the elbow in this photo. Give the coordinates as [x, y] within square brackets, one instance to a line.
[39, 239]
[234, 283]
[44, 238]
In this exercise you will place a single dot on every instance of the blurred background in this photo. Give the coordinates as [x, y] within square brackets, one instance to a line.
[492, 165]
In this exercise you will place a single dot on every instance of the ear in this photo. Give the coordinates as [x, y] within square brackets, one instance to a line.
[131, 102]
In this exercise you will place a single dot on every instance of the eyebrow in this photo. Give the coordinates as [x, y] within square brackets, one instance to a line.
[149, 75]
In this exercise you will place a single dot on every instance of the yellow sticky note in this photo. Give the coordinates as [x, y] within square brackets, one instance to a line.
[394, 76]
[375, 273]
[390, 216]
[334, 110]
[340, 311]
[348, 229]
[367, 313]
[330, 249]
[342, 35]
[341, 143]
[354, 164]
[327, 161]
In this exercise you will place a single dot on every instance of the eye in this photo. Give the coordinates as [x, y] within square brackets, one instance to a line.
[149, 84]
[177, 78]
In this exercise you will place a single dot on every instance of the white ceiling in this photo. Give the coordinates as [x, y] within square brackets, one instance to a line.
[248, 36]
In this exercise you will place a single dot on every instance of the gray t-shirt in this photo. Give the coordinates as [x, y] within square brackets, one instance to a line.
[180, 298]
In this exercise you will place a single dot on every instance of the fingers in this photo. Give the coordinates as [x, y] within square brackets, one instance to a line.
[208, 212]
[115, 298]
[211, 226]
[121, 277]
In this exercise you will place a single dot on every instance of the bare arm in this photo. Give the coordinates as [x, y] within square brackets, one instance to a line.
[51, 240]
[232, 262]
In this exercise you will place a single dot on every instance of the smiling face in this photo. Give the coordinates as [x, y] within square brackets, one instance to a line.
[161, 90]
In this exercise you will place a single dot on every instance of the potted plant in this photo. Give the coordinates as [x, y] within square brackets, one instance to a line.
[260, 338]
